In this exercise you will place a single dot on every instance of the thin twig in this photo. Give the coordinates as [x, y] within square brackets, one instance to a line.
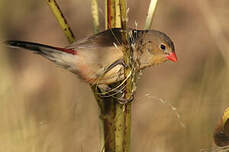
[95, 15]
[61, 20]
[150, 15]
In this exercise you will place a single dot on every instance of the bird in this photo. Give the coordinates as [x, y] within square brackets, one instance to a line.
[98, 59]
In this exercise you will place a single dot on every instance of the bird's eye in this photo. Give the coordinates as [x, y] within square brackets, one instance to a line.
[163, 47]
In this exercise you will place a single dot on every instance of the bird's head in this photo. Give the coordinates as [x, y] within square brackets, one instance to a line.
[155, 48]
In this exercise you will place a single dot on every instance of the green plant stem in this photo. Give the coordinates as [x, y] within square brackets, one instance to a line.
[61, 20]
[95, 15]
[130, 74]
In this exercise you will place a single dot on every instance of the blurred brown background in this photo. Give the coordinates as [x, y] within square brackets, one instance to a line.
[46, 109]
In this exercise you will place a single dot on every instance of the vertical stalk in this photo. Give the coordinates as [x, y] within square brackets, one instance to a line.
[149, 18]
[112, 14]
[61, 20]
[115, 118]
[130, 74]
[95, 15]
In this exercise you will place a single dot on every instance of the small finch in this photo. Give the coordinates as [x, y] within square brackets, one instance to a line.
[99, 58]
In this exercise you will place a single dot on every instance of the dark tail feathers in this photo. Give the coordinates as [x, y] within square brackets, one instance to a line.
[38, 48]
[61, 56]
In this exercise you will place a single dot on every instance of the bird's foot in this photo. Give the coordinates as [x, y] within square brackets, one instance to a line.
[122, 100]
[114, 64]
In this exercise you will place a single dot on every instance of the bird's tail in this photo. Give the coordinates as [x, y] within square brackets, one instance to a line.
[61, 56]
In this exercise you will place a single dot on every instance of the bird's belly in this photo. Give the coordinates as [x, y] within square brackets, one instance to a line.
[114, 75]
[92, 67]
[97, 75]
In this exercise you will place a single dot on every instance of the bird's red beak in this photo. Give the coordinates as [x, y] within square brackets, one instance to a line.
[172, 57]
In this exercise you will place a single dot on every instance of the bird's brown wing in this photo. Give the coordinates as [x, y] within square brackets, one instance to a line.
[106, 38]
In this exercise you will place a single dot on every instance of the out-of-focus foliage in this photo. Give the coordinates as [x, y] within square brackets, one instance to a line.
[44, 108]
